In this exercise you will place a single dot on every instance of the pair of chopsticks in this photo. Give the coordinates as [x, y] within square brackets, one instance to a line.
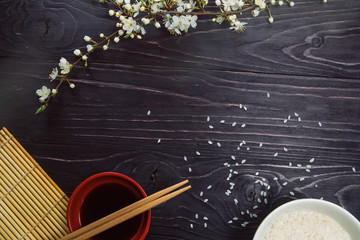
[126, 213]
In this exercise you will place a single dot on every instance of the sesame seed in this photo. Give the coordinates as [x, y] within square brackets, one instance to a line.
[265, 201]
[201, 193]
[302, 179]
[245, 108]
[285, 183]
[206, 200]
[243, 125]
[190, 169]
[275, 178]
[205, 218]
[307, 170]
[290, 164]
[236, 201]
[243, 161]
[205, 225]
[292, 193]
[285, 149]
[312, 160]
[289, 117]
[208, 119]
[197, 153]
[255, 207]
[255, 215]
[248, 148]
[185, 158]
[354, 169]
[209, 187]
[233, 157]
[219, 144]
[242, 213]
[299, 119]
[196, 216]
[320, 124]
[210, 142]
[211, 126]
[240, 106]
[260, 145]
[159, 140]
[259, 200]
[299, 165]
[267, 95]
[233, 124]
[285, 120]
[276, 154]
[230, 221]
[222, 121]
[191, 225]
[235, 218]
[148, 112]
[257, 173]
[296, 114]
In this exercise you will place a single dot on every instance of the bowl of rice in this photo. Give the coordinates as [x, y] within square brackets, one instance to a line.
[309, 219]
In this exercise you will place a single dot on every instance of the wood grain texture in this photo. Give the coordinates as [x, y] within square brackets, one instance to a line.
[299, 79]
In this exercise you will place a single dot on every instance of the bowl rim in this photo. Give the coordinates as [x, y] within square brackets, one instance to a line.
[351, 225]
[96, 180]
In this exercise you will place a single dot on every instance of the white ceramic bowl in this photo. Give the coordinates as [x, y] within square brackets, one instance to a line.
[339, 214]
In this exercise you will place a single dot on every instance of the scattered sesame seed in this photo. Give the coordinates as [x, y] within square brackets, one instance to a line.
[248, 148]
[190, 169]
[255, 207]
[196, 216]
[208, 187]
[242, 213]
[296, 114]
[236, 201]
[320, 124]
[354, 169]
[259, 200]
[268, 95]
[219, 144]
[205, 218]
[159, 140]
[210, 142]
[201, 193]
[205, 225]
[299, 119]
[206, 200]
[285, 149]
[233, 124]
[240, 106]
[265, 201]
[285, 120]
[211, 126]
[289, 117]
[222, 121]
[208, 119]
[302, 179]
[245, 108]
[299, 165]
[191, 225]
[148, 112]
[243, 125]
[275, 178]
[292, 193]
[285, 183]
[255, 215]
[235, 218]
[257, 173]
[185, 158]
[322, 198]
[233, 157]
[197, 153]
[307, 170]
[243, 161]
[276, 154]
[290, 164]
[230, 221]
[312, 160]
[260, 145]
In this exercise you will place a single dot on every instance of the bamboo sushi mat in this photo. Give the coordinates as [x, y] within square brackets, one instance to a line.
[32, 206]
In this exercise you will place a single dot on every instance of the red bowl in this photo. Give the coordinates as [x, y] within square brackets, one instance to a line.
[102, 194]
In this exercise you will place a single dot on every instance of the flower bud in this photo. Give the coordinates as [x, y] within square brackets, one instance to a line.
[87, 38]
[271, 19]
[111, 12]
[77, 52]
[157, 25]
[105, 47]
[72, 85]
[116, 39]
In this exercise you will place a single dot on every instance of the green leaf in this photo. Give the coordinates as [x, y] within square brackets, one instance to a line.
[40, 109]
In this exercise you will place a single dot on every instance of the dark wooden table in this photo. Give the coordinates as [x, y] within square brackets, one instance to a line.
[263, 117]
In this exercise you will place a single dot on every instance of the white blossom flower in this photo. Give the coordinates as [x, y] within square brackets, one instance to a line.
[84, 57]
[64, 66]
[54, 74]
[43, 93]
[255, 12]
[146, 21]
[238, 26]
[77, 52]
[260, 3]
[130, 25]
[272, 2]
[89, 47]
[157, 25]
[192, 20]
[291, 4]
[218, 3]
[280, 3]
[87, 38]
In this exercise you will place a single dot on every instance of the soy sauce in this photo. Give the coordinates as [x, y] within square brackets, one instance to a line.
[105, 200]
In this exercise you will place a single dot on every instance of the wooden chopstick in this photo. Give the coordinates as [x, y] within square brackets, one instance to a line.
[126, 213]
